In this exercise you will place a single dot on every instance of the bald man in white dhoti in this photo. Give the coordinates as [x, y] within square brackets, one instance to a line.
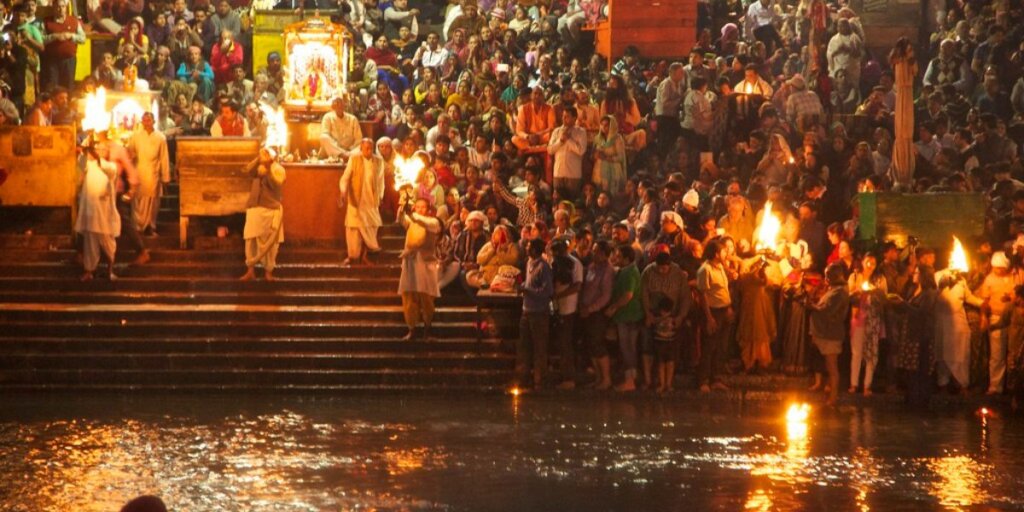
[149, 147]
[362, 188]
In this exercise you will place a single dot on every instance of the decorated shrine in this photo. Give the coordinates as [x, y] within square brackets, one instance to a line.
[316, 58]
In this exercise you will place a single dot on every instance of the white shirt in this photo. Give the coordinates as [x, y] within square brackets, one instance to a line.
[670, 95]
[339, 135]
[758, 16]
[569, 154]
[432, 58]
[699, 114]
[567, 305]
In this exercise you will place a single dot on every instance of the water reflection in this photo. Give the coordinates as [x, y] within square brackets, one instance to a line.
[959, 482]
[479, 453]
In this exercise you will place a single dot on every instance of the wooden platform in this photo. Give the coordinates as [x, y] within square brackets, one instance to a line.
[660, 29]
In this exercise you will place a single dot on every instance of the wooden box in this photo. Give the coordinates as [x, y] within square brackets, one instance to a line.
[311, 203]
[212, 177]
[933, 218]
[659, 29]
[41, 166]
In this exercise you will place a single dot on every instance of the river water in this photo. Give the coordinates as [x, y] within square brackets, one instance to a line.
[571, 452]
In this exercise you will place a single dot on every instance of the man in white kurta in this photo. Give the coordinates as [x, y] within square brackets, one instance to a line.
[340, 134]
[844, 52]
[362, 188]
[952, 332]
[418, 284]
[567, 145]
[997, 292]
[264, 215]
[98, 222]
[153, 166]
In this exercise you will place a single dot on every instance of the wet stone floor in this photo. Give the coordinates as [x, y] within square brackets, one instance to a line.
[572, 452]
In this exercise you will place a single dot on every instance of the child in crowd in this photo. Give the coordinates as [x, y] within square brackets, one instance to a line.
[666, 343]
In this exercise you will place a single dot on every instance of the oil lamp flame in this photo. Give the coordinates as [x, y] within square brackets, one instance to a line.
[277, 128]
[407, 171]
[96, 116]
[767, 235]
[958, 258]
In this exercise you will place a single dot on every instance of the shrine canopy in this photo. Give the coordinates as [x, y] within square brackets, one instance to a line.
[317, 60]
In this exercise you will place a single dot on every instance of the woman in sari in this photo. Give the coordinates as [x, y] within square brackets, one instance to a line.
[777, 161]
[501, 250]
[610, 157]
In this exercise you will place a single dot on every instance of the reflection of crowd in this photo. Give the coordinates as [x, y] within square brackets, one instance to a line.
[538, 158]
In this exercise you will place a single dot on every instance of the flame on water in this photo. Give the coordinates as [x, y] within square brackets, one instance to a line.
[96, 116]
[277, 127]
[767, 235]
[958, 258]
[407, 170]
[796, 421]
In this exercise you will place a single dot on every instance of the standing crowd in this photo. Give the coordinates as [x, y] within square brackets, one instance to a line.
[624, 201]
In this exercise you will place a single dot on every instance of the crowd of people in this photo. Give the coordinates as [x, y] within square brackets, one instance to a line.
[623, 201]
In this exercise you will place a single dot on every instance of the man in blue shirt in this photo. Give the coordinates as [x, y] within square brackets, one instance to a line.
[535, 324]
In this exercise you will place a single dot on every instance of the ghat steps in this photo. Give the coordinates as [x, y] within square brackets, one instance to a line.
[184, 322]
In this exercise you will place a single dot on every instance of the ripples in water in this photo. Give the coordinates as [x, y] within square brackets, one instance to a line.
[393, 453]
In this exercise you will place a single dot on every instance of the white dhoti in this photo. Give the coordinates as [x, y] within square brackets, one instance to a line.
[953, 333]
[98, 222]
[359, 237]
[145, 209]
[997, 341]
[263, 233]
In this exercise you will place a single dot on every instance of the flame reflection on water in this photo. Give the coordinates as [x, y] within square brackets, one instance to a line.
[470, 455]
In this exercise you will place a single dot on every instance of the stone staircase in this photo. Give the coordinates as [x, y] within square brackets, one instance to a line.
[184, 321]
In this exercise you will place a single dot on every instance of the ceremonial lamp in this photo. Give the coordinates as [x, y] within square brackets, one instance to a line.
[407, 171]
[958, 259]
[766, 238]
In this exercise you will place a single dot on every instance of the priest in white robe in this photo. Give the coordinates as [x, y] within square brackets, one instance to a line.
[952, 332]
[98, 222]
[264, 215]
[362, 188]
[340, 134]
[418, 284]
[153, 166]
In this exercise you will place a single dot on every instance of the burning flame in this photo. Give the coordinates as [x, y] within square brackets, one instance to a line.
[958, 258]
[96, 116]
[866, 286]
[746, 88]
[767, 235]
[277, 128]
[796, 421]
[407, 171]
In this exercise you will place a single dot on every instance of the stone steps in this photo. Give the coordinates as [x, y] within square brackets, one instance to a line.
[227, 315]
[183, 322]
[282, 298]
[182, 270]
[290, 255]
[253, 379]
[227, 343]
[72, 328]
